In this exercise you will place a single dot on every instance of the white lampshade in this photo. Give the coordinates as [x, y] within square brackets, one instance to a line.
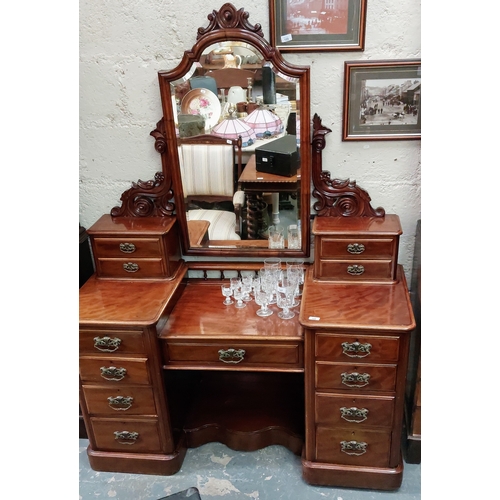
[232, 128]
[264, 123]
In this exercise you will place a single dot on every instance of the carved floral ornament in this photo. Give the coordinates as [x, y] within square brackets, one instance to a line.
[229, 18]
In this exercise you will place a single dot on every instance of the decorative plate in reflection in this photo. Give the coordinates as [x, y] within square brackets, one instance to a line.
[202, 102]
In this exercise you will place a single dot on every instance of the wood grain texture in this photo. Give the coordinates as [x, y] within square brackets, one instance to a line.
[200, 314]
[127, 302]
[353, 306]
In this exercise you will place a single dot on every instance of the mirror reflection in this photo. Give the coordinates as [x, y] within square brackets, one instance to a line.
[238, 130]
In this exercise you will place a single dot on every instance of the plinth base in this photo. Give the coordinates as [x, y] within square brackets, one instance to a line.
[349, 476]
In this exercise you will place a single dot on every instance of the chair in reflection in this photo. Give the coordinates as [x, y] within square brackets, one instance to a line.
[210, 167]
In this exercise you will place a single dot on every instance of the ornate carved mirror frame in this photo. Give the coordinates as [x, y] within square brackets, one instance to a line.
[229, 25]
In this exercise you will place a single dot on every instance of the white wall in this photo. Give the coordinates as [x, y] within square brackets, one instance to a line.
[124, 43]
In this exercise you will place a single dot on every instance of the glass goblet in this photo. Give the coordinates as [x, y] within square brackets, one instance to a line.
[262, 299]
[235, 282]
[292, 275]
[227, 291]
[268, 284]
[284, 302]
[246, 285]
[238, 294]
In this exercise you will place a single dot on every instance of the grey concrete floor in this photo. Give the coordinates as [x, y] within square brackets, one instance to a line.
[220, 473]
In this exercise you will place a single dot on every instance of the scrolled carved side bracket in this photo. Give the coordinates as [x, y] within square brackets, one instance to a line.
[228, 17]
[336, 197]
[149, 198]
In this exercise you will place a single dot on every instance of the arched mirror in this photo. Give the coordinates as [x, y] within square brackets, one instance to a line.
[236, 130]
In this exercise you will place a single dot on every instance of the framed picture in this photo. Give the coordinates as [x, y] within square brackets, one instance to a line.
[317, 25]
[382, 100]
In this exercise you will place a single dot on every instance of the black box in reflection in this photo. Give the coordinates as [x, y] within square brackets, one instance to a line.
[279, 157]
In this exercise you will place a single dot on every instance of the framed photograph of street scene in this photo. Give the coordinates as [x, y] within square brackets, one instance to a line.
[317, 25]
[382, 100]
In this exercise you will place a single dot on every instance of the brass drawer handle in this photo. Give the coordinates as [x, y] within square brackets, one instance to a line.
[127, 247]
[107, 344]
[355, 379]
[353, 414]
[356, 349]
[353, 447]
[231, 355]
[120, 403]
[355, 248]
[113, 373]
[126, 437]
[355, 270]
[131, 267]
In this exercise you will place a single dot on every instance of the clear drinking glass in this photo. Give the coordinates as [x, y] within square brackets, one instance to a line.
[293, 236]
[246, 285]
[262, 299]
[238, 294]
[285, 302]
[227, 291]
[276, 237]
[289, 285]
[297, 266]
[267, 283]
[235, 282]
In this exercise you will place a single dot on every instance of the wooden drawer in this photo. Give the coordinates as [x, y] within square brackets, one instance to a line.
[357, 411]
[355, 270]
[354, 248]
[107, 341]
[123, 400]
[138, 435]
[120, 370]
[138, 268]
[358, 348]
[346, 376]
[126, 247]
[235, 354]
[363, 447]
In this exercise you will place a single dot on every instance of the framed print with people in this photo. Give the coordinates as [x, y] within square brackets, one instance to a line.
[382, 100]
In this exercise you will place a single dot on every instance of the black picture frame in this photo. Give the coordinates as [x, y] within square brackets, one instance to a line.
[382, 100]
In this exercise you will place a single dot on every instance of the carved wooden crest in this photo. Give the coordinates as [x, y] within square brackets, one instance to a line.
[336, 197]
[149, 198]
[229, 18]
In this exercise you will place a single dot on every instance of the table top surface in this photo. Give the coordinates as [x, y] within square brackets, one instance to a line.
[250, 174]
[201, 314]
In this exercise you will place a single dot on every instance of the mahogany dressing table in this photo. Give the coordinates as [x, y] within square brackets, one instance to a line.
[165, 366]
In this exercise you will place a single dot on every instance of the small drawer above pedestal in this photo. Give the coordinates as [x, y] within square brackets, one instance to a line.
[356, 249]
[123, 247]
[135, 248]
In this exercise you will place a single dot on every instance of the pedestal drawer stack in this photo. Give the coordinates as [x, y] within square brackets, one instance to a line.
[138, 279]
[117, 388]
[355, 379]
[357, 317]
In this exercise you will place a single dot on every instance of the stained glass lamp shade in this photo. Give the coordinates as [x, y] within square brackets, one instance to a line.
[232, 128]
[264, 123]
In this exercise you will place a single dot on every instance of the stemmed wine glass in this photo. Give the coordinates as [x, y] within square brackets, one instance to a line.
[293, 275]
[285, 301]
[297, 266]
[227, 291]
[268, 283]
[238, 294]
[246, 285]
[262, 299]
